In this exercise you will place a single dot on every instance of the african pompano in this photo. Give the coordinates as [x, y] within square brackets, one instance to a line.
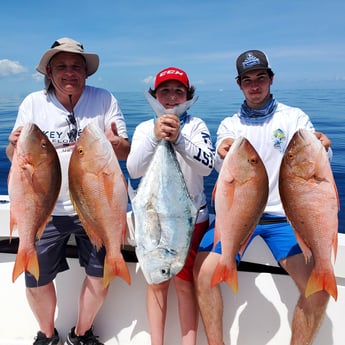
[98, 192]
[163, 210]
[240, 194]
[310, 199]
[33, 185]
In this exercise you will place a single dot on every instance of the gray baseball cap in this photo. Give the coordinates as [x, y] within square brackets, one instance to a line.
[252, 60]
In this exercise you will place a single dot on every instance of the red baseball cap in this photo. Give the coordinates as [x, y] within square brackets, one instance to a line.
[172, 73]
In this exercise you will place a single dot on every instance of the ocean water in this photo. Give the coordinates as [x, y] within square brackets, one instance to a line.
[326, 109]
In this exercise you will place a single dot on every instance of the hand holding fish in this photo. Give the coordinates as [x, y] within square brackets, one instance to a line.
[323, 139]
[13, 139]
[224, 147]
[167, 127]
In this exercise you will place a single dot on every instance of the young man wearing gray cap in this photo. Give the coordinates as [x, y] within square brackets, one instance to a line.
[62, 110]
[268, 125]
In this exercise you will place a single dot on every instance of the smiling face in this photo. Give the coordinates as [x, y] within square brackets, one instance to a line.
[67, 72]
[171, 93]
[256, 87]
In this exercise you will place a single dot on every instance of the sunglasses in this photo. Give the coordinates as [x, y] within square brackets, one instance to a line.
[72, 123]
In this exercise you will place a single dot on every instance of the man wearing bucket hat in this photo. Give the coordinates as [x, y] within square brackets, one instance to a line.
[192, 143]
[269, 126]
[62, 110]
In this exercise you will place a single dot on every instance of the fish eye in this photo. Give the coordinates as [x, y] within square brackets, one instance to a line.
[164, 271]
[81, 151]
[43, 144]
[290, 156]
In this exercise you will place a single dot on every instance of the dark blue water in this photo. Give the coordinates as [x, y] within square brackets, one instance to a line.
[326, 109]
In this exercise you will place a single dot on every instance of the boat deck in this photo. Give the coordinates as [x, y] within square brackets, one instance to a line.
[260, 313]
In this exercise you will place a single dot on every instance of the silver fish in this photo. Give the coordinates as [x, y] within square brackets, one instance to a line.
[164, 213]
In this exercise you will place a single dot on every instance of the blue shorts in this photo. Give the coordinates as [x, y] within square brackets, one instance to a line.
[51, 251]
[279, 237]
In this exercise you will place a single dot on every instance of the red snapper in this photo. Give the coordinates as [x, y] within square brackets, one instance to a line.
[240, 195]
[33, 185]
[98, 192]
[310, 199]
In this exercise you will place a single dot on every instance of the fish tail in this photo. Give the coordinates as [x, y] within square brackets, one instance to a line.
[322, 280]
[223, 274]
[113, 268]
[26, 261]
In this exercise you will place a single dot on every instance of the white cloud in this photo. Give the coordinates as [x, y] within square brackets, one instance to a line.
[8, 67]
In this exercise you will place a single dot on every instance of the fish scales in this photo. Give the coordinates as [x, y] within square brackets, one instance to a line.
[164, 217]
[311, 203]
[164, 212]
[34, 184]
[98, 192]
[240, 194]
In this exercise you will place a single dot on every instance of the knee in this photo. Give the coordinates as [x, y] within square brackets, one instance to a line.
[96, 285]
[317, 301]
[203, 270]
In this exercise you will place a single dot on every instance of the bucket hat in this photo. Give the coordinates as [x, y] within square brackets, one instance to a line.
[68, 45]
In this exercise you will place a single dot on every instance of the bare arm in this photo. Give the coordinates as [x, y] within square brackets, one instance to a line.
[13, 138]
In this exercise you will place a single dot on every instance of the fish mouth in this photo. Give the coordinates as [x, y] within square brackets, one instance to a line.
[28, 129]
[237, 143]
[159, 275]
[301, 134]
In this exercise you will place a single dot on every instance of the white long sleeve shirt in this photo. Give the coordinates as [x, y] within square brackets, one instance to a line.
[194, 151]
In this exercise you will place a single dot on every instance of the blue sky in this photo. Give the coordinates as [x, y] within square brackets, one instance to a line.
[304, 40]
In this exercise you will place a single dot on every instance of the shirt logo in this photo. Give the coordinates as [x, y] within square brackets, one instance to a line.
[279, 140]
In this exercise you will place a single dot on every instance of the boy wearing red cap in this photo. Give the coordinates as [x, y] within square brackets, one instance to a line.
[191, 140]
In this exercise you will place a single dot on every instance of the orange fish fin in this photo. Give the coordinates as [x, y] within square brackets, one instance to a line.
[91, 233]
[245, 243]
[223, 274]
[29, 171]
[336, 193]
[26, 262]
[304, 247]
[12, 225]
[124, 232]
[322, 280]
[113, 268]
[108, 182]
[216, 237]
[214, 192]
[335, 245]
[125, 182]
[42, 227]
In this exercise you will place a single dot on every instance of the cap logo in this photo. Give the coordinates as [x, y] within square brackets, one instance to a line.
[250, 60]
[170, 71]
